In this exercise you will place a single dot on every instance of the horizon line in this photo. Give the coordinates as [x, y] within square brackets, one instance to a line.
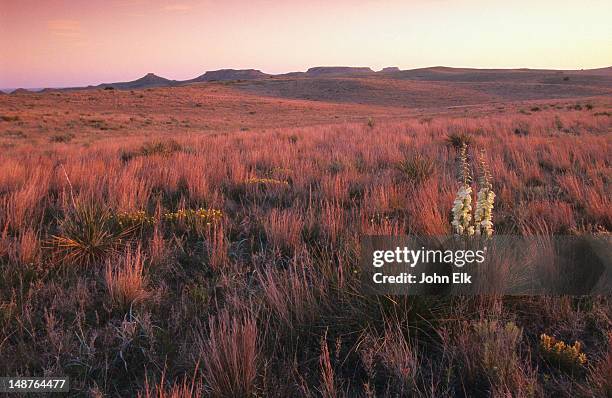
[9, 90]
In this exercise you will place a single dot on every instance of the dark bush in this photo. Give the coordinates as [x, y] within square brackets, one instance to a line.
[163, 148]
[457, 140]
[416, 169]
[61, 138]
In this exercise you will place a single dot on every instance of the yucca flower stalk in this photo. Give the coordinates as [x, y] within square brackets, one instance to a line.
[462, 207]
[483, 217]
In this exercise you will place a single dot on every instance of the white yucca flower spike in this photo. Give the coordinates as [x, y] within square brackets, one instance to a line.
[462, 211]
[483, 217]
[462, 207]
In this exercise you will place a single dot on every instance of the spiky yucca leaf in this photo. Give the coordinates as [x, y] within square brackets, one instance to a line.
[458, 140]
[88, 234]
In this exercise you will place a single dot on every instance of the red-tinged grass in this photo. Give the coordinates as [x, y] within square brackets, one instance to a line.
[293, 296]
[601, 370]
[125, 280]
[400, 359]
[283, 229]
[230, 357]
[158, 248]
[186, 389]
[327, 387]
[251, 297]
[217, 247]
[28, 248]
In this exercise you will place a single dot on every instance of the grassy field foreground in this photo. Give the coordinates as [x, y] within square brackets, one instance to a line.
[224, 264]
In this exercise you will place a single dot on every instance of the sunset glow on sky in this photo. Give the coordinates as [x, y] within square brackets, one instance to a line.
[55, 43]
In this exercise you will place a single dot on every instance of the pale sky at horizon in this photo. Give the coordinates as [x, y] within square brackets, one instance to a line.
[59, 43]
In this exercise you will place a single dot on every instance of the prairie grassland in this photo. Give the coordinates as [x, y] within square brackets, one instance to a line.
[223, 264]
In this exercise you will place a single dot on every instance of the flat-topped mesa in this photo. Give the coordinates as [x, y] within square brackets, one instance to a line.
[390, 69]
[21, 91]
[338, 70]
[230, 74]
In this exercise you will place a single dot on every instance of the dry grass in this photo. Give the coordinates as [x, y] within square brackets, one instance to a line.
[125, 280]
[230, 357]
[264, 301]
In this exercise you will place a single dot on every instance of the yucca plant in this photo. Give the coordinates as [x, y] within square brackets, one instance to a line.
[462, 206]
[458, 140]
[87, 235]
[483, 217]
[482, 221]
[416, 169]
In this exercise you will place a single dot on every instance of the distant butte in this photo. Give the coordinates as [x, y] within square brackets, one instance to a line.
[229, 74]
[148, 80]
[21, 91]
[390, 69]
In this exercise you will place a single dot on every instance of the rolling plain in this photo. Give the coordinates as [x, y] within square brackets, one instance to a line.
[201, 238]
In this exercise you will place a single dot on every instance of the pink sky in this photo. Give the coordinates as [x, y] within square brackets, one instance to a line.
[54, 43]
